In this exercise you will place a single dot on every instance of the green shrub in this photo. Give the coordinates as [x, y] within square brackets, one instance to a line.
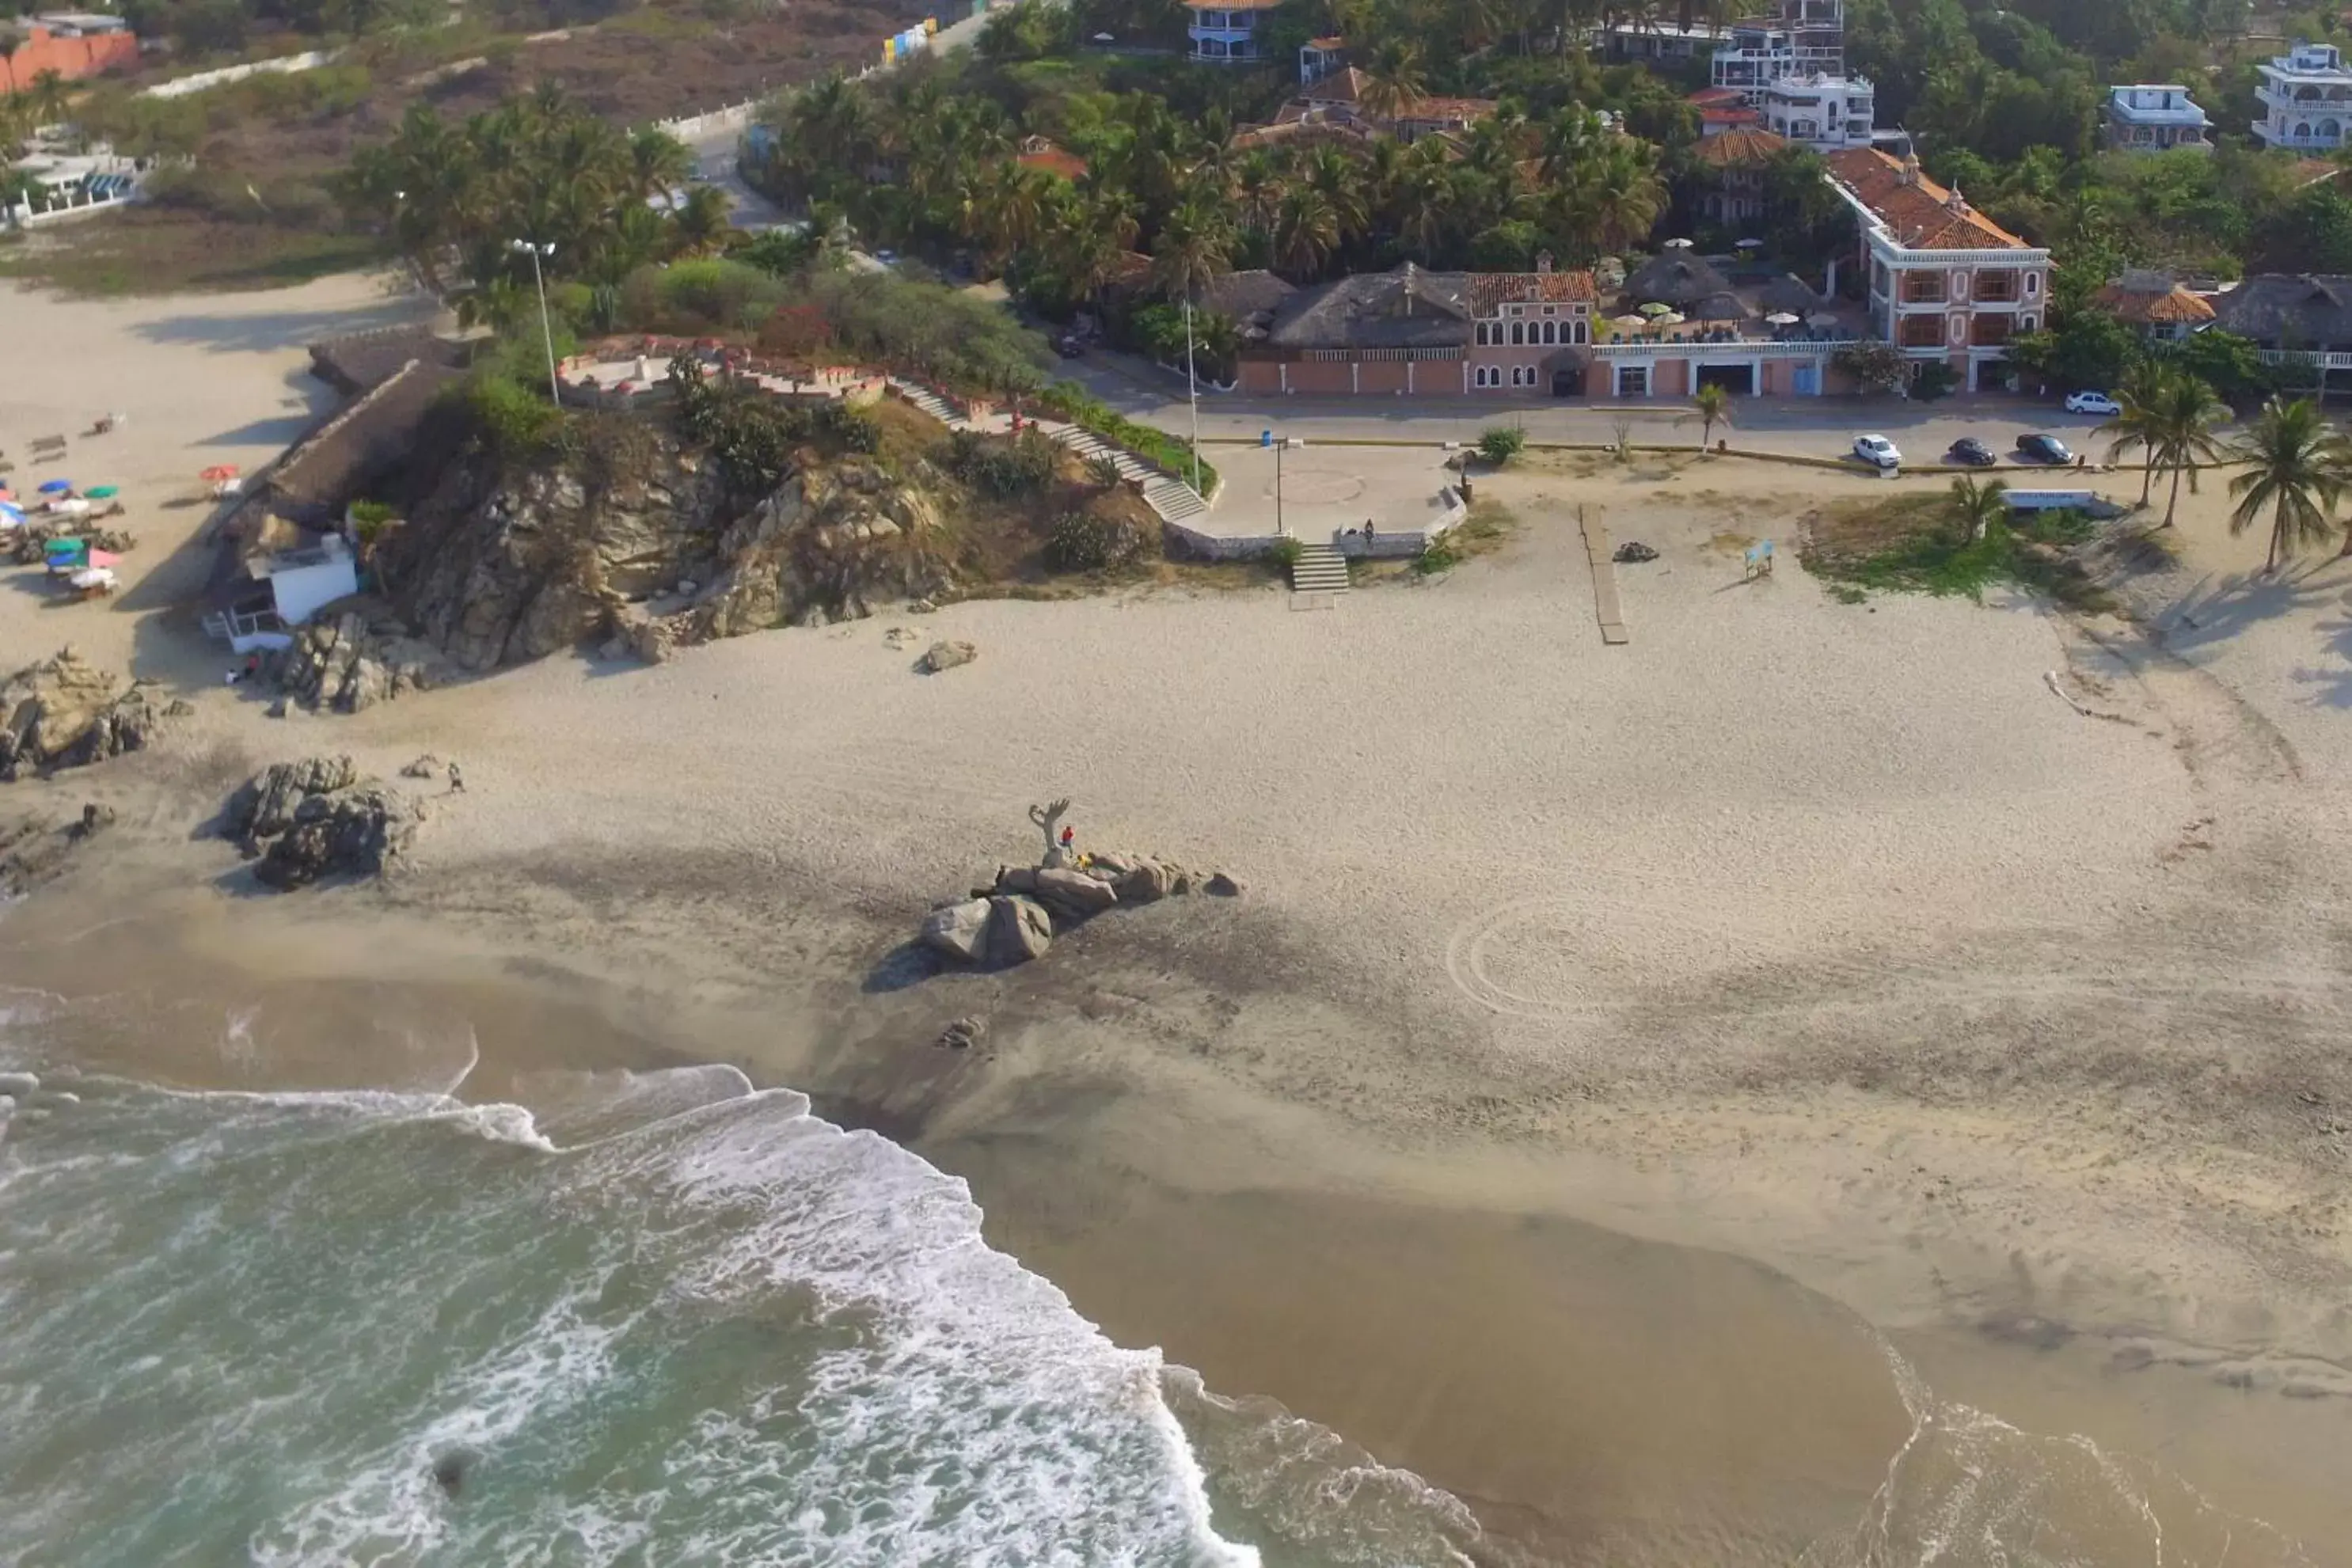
[1002, 467]
[1439, 557]
[1501, 443]
[511, 419]
[1283, 552]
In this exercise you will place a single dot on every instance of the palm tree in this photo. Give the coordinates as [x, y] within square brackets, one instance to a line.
[2295, 470]
[1976, 505]
[2181, 430]
[658, 163]
[49, 98]
[1627, 194]
[2134, 426]
[1392, 81]
[1195, 246]
[1305, 231]
[1713, 407]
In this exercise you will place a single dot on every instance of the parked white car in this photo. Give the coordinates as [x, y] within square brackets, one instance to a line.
[2093, 403]
[1877, 451]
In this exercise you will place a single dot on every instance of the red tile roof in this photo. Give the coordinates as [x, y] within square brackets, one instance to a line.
[1919, 213]
[1488, 289]
[1348, 84]
[1330, 43]
[1715, 97]
[1739, 149]
[2151, 306]
[1037, 153]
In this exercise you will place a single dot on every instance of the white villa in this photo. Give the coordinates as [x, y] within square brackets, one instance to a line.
[1826, 113]
[1796, 38]
[2152, 118]
[2307, 96]
[1225, 32]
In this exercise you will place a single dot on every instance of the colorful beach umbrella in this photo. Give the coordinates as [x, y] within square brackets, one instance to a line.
[218, 471]
[11, 516]
[103, 492]
[57, 486]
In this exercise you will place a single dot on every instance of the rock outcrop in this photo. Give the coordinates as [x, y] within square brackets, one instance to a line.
[34, 848]
[66, 711]
[640, 545]
[1017, 918]
[318, 819]
[347, 663]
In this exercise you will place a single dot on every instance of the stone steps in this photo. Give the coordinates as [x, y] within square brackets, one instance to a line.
[1319, 569]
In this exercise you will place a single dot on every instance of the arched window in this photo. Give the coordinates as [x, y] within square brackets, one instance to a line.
[2331, 130]
[1518, 333]
[2026, 323]
[1551, 332]
[2032, 284]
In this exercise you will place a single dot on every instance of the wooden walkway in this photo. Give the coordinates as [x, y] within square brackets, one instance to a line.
[1597, 551]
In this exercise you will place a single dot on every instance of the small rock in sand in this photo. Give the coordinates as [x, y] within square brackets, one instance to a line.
[1224, 886]
[425, 767]
[964, 1033]
[946, 656]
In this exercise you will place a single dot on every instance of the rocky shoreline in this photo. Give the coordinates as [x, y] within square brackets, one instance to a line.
[1016, 918]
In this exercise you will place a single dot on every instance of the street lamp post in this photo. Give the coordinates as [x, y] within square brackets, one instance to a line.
[546, 332]
[1266, 438]
[1192, 391]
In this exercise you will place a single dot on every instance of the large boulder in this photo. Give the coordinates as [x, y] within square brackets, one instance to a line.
[358, 831]
[1072, 895]
[958, 932]
[1145, 882]
[942, 656]
[265, 807]
[317, 818]
[1018, 930]
[351, 661]
[66, 711]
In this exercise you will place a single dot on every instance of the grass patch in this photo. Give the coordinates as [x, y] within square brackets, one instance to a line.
[1914, 545]
[147, 252]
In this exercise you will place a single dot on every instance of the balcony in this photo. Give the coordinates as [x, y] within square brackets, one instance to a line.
[1997, 288]
[1920, 332]
[1991, 331]
[1927, 290]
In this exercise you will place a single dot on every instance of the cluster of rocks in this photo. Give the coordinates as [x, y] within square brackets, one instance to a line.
[1017, 918]
[33, 847]
[30, 543]
[66, 711]
[350, 662]
[308, 821]
[643, 548]
[946, 655]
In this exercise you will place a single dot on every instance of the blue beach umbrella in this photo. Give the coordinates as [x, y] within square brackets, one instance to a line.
[11, 515]
[57, 486]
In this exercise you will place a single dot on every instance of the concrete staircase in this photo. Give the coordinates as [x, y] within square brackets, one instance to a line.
[1319, 569]
[1170, 498]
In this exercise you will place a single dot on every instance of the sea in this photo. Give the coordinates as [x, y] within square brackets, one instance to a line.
[668, 1318]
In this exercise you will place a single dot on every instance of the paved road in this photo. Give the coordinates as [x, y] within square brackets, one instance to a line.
[1816, 427]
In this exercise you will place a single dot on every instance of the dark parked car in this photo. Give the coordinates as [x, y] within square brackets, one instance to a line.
[1968, 449]
[1068, 346]
[2043, 449]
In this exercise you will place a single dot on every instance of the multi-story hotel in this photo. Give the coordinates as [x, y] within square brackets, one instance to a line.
[2154, 118]
[1945, 281]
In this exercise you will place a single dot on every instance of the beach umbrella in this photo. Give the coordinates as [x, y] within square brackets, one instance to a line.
[1655, 308]
[218, 471]
[11, 516]
[104, 492]
[1783, 319]
[57, 486]
[1751, 244]
[104, 557]
[1672, 319]
[1629, 322]
[1679, 245]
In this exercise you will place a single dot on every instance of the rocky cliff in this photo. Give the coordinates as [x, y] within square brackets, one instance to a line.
[641, 538]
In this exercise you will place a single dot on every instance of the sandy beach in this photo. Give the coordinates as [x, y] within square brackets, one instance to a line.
[1631, 1075]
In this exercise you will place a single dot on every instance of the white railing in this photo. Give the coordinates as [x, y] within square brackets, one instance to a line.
[2325, 361]
[1762, 347]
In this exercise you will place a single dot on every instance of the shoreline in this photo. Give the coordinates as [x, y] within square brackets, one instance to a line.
[1556, 1374]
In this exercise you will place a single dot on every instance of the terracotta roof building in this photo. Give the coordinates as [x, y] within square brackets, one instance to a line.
[1946, 283]
[1411, 120]
[2155, 304]
[1415, 332]
[1043, 153]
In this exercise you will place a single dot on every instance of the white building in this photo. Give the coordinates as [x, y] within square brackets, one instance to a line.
[1665, 41]
[1225, 32]
[2307, 96]
[1794, 39]
[1826, 113]
[2151, 117]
